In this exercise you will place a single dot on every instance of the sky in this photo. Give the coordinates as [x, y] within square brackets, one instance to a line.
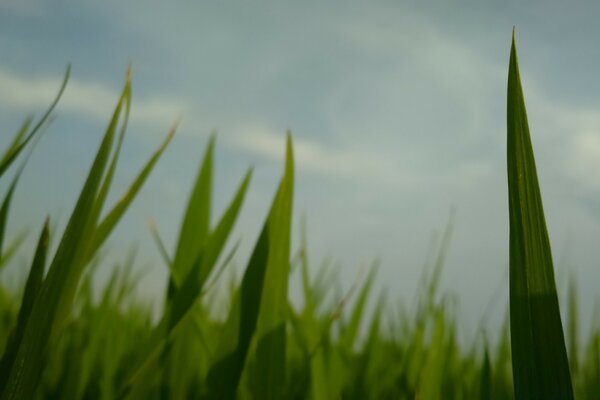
[397, 110]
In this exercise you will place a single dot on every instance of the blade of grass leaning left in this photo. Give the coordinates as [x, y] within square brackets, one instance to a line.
[61, 281]
[21, 139]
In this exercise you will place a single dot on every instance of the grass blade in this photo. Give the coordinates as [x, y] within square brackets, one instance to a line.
[114, 215]
[270, 257]
[539, 357]
[196, 221]
[271, 329]
[32, 288]
[184, 297]
[193, 284]
[18, 143]
[350, 332]
[15, 142]
[485, 383]
[59, 286]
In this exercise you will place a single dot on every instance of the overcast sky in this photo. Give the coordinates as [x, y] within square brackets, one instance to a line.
[397, 110]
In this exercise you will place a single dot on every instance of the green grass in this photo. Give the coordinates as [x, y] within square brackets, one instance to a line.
[64, 340]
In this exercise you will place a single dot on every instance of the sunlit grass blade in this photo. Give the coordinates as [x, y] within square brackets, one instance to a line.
[253, 306]
[185, 296]
[32, 288]
[431, 377]
[271, 328]
[196, 220]
[539, 357]
[194, 282]
[21, 140]
[59, 287]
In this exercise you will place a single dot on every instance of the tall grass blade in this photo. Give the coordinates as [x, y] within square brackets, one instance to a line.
[271, 329]
[191, 288]
[196, 221]
[59, 286]
[253, 306]
[539, 357]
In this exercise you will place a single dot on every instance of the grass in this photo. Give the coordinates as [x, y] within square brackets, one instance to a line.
[62, 340]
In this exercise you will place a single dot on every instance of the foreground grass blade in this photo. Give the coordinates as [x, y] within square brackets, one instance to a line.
[253, 302]
[59, 286]
[539, 357]
[32, 288]
[21, 140]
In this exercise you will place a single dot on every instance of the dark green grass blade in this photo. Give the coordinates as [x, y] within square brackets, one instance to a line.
[539, 357]
[271, 253]
[32, 288]
[485, 383]
[59, 286]
[19, 143]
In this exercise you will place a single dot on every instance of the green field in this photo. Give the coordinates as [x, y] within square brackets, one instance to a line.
[63, 339]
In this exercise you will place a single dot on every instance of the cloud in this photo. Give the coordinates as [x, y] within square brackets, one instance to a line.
[88, 99]
[314, 157]
[360, 165]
